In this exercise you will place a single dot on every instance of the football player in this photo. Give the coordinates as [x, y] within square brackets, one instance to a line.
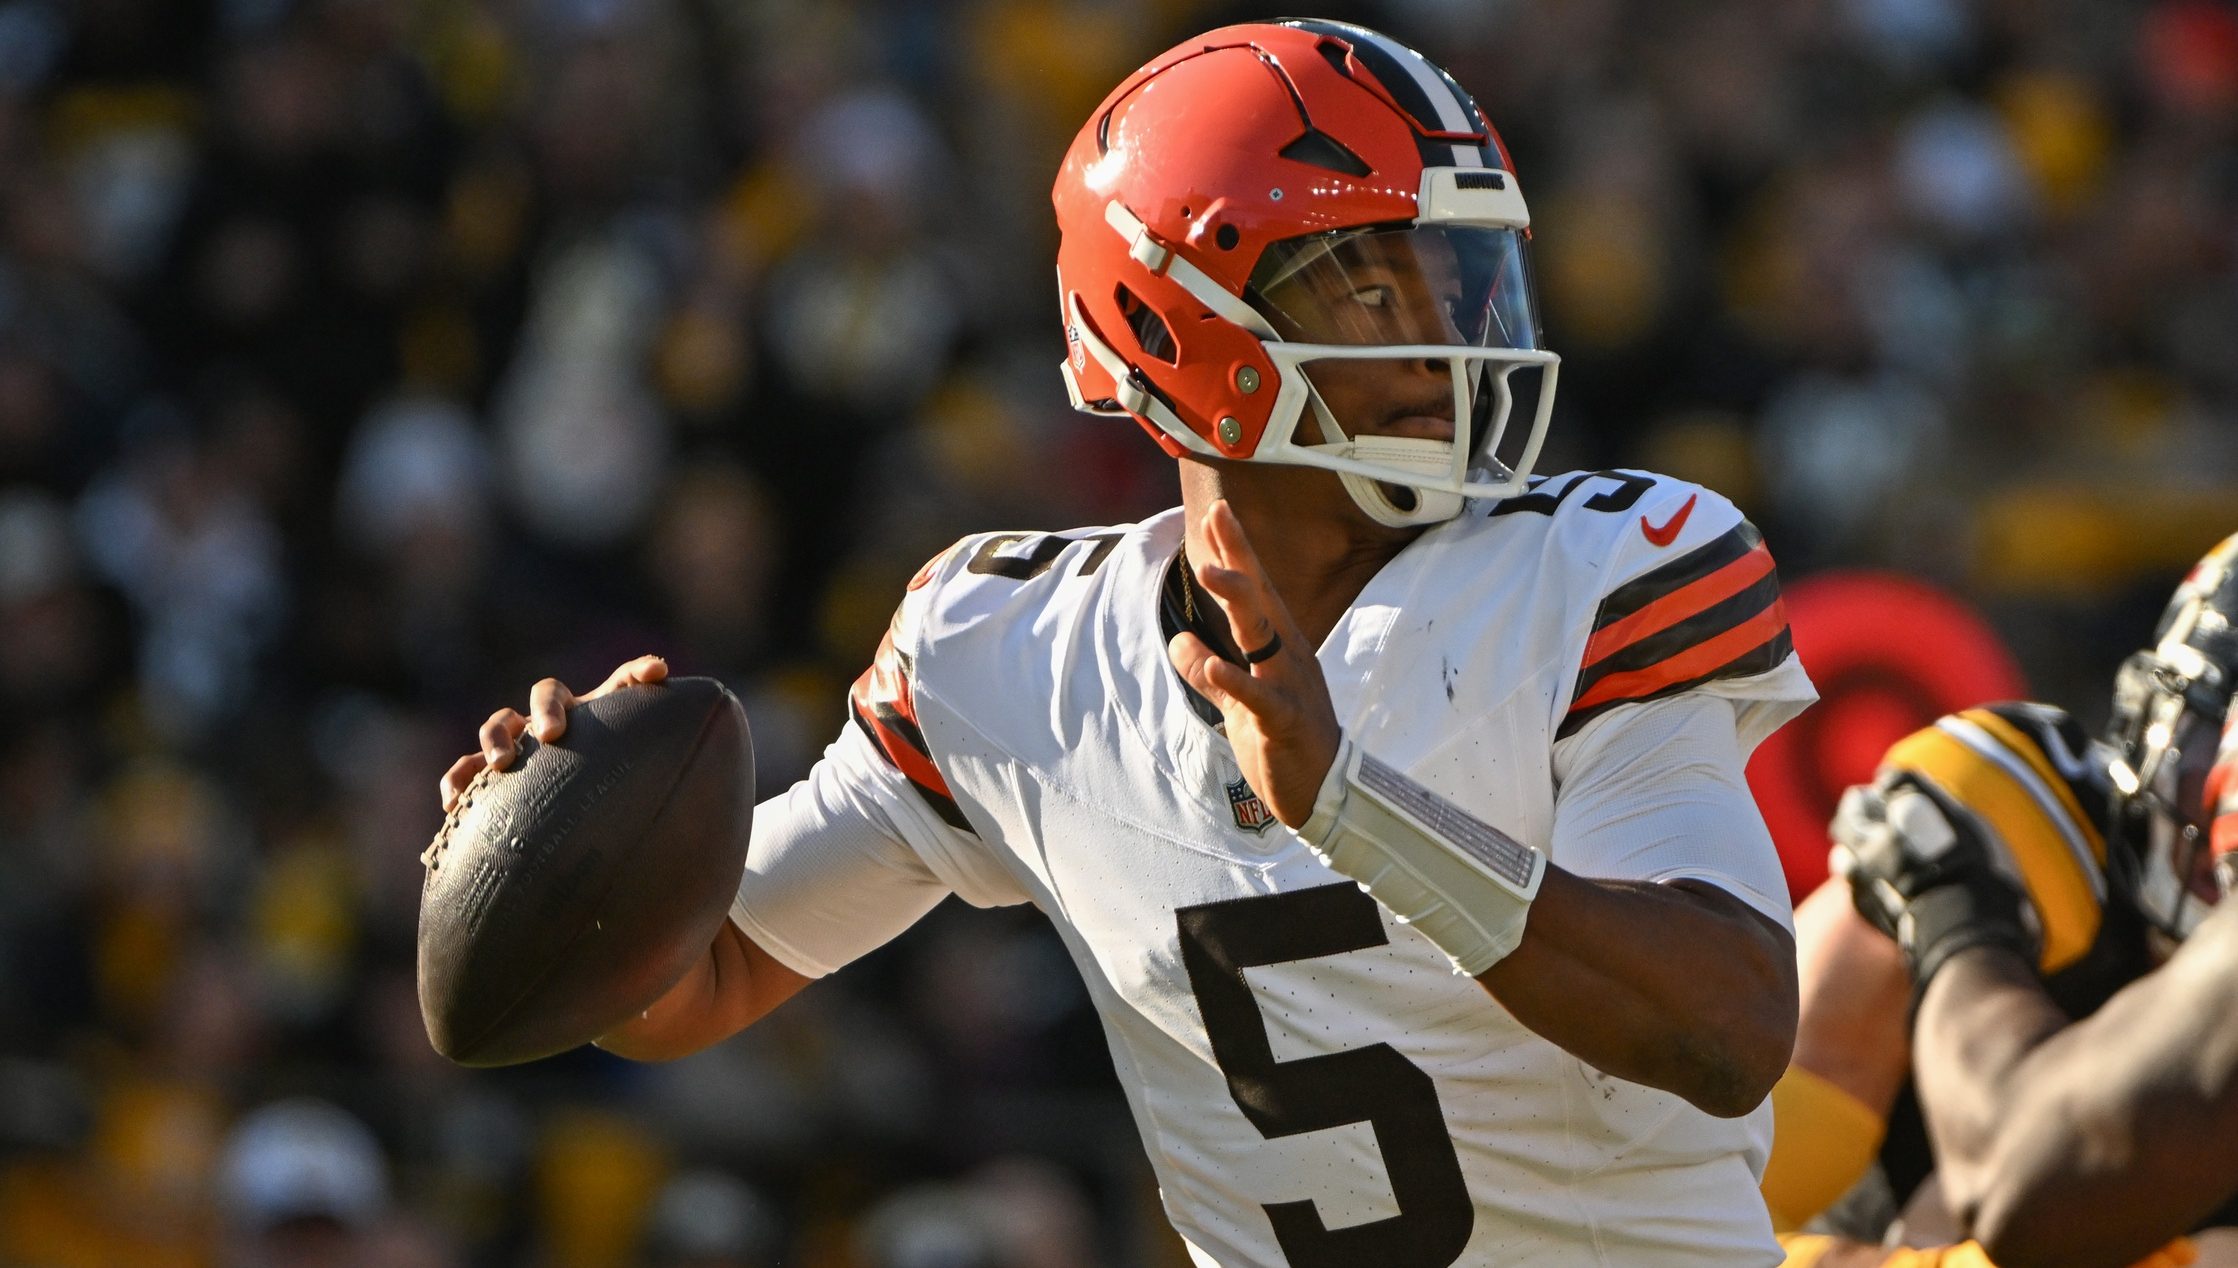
[1389, 801]
[2051, 906]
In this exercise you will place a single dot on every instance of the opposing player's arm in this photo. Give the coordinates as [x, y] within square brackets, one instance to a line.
[1982, 862]
[1856, 1001]
[2091, 1142]
[1811, 1250]
[1852, 1055]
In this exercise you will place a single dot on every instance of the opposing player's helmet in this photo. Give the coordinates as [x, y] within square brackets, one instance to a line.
[1273, 195]
[2169, 703]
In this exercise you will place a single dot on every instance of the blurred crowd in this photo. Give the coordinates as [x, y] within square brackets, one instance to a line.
[362, 361]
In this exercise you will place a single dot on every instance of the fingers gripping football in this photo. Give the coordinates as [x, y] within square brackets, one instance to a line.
[548, 702]
[1276, 705]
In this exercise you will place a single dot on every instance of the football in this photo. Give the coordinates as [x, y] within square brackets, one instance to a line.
[568, 891]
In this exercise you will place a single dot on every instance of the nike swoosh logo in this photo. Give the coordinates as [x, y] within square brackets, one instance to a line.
[1669, 532]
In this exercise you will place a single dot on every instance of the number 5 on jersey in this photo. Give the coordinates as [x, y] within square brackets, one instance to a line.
[1374, 1084]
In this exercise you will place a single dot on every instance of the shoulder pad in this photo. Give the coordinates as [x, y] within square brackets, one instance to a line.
[1686, 591]
[883, 701]
[992, 574]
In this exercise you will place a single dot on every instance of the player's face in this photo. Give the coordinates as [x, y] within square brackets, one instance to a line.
[1370, 290]
[1461, 288]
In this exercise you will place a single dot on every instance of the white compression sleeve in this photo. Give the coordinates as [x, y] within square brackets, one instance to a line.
[832, 871]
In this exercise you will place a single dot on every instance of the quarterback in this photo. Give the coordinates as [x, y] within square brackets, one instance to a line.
[2055, 912]
[1389, 800]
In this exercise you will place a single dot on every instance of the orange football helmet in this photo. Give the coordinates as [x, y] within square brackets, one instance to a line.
[1271, 196]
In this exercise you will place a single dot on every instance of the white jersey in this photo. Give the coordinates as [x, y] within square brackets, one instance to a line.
[1585, 666]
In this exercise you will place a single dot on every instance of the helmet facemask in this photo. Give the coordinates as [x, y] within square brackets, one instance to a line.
[2169, 706]
[1396, 347]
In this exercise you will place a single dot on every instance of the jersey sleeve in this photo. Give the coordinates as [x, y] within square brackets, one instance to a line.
[883, 702]
[873, 838]
[1659, 793]
[1688, 602]
[836, 865]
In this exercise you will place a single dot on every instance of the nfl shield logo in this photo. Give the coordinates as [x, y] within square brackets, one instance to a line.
[1251, 813]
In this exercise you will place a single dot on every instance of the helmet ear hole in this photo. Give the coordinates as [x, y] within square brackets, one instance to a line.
[1226, 237]
[1319, 149]
[1151, 333]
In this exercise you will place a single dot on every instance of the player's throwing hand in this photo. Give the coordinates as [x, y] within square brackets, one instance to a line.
[1276, 704]
[548, 703]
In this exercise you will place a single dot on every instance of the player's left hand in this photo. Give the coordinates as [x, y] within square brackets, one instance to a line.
[1934, 882]
[1277, 708]
[2222, 805]
[1939, 882]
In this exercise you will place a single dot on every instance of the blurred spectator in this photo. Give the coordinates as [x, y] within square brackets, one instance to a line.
[201, 566]
[929, 1226]
[705, 1219]
[302, 1184]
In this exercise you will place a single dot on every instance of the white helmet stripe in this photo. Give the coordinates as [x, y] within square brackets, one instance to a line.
[1453, 112]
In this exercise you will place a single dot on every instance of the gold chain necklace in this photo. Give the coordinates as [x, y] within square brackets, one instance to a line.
[1189, 618]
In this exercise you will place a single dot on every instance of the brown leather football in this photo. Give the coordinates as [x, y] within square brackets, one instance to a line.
[570, 890]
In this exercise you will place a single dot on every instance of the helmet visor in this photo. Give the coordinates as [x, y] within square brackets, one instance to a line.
[1455, 285]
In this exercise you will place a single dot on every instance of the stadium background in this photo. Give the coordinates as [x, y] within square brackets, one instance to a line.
[362, 361]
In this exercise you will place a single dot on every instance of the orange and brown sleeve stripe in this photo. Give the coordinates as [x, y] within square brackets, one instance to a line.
[884, 707]
[1714, 612]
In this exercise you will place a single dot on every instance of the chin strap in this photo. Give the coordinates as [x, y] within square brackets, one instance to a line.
[1422, 506]
[1413, 507]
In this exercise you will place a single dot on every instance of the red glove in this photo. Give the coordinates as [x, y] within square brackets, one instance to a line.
[2222, 806]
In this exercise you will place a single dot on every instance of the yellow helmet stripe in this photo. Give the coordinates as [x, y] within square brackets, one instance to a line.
[2089, 865]
[2028, 750]
[2019, 828]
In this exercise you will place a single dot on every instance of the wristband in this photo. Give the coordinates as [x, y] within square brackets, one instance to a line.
[1464, 884]
[1952, 918]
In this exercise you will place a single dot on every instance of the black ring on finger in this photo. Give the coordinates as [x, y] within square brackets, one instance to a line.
[1264, 654]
